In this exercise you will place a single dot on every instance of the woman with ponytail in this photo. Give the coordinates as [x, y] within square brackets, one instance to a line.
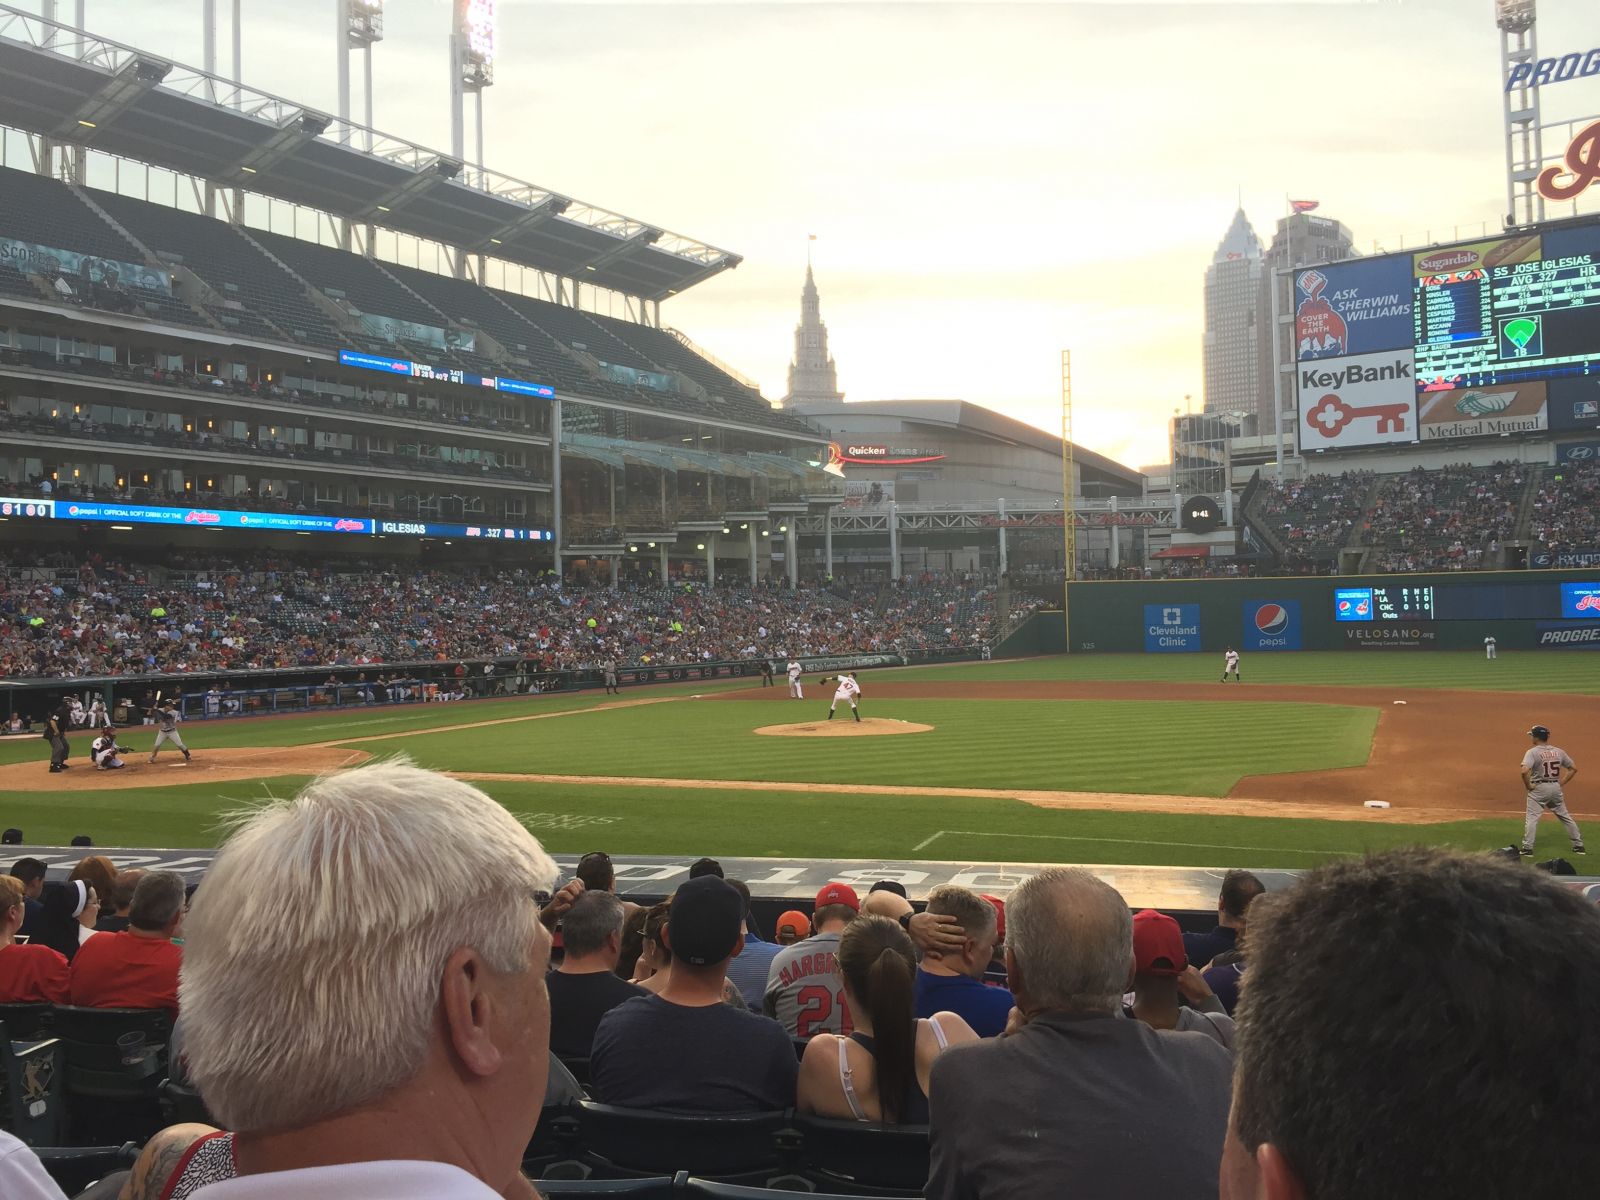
[880, 1072]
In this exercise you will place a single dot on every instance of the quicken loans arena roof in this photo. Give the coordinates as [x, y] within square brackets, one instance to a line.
[77, 88]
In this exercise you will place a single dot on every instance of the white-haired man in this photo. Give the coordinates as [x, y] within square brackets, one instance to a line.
[1072, 1094]
[363, 992]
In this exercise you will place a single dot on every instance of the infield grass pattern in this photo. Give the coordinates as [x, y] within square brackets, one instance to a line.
[1123, 746]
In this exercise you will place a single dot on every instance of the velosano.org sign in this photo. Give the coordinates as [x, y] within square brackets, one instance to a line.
[1399, 635]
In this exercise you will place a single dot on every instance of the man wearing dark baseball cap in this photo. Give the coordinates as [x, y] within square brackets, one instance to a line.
[683, 1049]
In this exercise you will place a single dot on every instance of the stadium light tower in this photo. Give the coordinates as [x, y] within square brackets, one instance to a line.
[472, 50]
[359, 25]
[1524, 145]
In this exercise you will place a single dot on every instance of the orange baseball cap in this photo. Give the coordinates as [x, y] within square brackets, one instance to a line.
[999, 915]
[796, 921]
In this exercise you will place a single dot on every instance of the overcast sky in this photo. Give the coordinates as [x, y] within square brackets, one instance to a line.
[988, 182]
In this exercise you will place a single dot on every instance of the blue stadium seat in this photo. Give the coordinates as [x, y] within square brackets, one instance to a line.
[182, 1104]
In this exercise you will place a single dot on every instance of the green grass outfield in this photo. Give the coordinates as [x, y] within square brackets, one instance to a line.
[1126, 746]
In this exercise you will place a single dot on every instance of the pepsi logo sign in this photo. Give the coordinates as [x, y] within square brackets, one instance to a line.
[1272, 625]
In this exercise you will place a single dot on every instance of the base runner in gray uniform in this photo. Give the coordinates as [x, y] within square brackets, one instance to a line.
[1546, 769]
[167, 719]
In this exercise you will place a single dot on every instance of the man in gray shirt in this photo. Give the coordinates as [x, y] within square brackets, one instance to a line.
[1071, 1099]
[804, 989]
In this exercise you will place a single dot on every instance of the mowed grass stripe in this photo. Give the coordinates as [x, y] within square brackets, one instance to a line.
[1155, 747]
[575, 818]
[1514, 670]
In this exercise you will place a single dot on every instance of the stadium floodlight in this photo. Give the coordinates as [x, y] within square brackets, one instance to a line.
[1514, 15]
[476, 32]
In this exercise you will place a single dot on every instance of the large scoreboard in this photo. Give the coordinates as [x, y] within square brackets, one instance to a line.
[1476, 339]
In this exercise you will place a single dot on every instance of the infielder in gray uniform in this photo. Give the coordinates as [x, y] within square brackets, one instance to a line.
[167, 719]
[1546, 769]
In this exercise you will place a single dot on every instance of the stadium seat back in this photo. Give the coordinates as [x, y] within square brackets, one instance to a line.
[31, 1107]
[116, 1059]
[26, 1021]
[655, 1187]
[711, 1189]
[631, 1141]
[856, 1156]
[182, 1104]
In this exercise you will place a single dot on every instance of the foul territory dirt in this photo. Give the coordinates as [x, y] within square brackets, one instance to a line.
[1439, 755]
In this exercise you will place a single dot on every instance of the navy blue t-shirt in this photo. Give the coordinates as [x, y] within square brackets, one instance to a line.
[1203, 947]
[984, 1008]
[651, 1053]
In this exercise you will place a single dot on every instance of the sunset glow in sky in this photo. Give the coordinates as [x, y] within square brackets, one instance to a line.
[988, 182]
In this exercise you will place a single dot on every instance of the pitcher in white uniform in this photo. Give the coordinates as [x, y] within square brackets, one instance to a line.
[848, 689]
[1546, 770]
[796, 691]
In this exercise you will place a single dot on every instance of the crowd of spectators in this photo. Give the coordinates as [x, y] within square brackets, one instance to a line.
[63, 616]
[1120, 1066]
[1566, 508]
[1451, 518]
[1444, 518]
[1311, 518]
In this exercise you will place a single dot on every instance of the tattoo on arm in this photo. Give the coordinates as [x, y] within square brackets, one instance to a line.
[155, 1167]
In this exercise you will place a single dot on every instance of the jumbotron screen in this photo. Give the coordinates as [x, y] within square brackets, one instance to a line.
[1477, 339]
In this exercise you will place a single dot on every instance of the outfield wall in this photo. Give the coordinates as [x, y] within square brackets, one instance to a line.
[1521, 610]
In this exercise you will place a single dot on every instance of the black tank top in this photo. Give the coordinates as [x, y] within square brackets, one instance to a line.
[914, 1105]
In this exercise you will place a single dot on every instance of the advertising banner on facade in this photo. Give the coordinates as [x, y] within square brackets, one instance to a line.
[868, 494]
[1575, 402]
[1482, 411]
[1388, 635]
[1171, 628]
[1577, 454]
[1271, 625]
[1362, 400]
[414, 333]
[1567, 636]
[1355, 307]
[33, 259]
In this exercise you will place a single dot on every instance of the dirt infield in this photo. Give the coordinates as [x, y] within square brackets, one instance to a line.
[223, 765]
[1449, 753]
[866, 727]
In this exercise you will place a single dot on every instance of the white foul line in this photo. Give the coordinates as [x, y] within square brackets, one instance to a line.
[1123, 841]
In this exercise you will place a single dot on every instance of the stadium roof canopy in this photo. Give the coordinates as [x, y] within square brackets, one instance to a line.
[77, 88]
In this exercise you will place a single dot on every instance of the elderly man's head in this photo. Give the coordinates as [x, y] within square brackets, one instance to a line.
[1408, 996]
[1069, 943]
[373, 946]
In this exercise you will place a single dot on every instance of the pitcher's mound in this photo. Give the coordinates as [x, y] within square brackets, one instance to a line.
[845, 727]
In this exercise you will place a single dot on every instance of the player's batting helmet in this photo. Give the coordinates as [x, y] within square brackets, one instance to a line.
[1540, 732]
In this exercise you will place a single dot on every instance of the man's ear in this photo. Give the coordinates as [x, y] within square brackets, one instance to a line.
[1133, 971]
[1014, 980]
[469, 1012]
[1278, 1180]
[738, 949]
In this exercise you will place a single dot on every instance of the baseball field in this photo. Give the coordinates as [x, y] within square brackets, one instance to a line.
[1133, 759]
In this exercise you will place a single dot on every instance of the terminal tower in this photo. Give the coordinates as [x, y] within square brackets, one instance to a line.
[812, 376]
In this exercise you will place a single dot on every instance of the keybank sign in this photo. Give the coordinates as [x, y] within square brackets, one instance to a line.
[1171, 628]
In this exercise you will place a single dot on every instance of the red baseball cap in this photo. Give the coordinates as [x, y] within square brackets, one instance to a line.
[1157, 944]
[839, 893]
[999, 915]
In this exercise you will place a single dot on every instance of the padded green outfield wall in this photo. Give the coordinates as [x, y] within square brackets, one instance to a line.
[1519, 609]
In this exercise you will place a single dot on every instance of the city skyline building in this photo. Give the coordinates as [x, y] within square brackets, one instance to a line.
[813, 376]
[1231, 353]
